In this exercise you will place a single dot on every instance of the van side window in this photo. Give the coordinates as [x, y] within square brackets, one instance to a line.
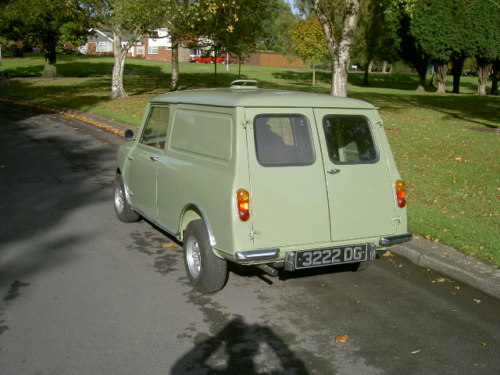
[283, 140]
[155, 129]
[349, 139]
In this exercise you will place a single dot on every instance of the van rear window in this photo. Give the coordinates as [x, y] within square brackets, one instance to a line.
[283, 140]
[349, 139]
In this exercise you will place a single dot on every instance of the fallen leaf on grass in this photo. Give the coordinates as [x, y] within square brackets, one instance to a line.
[342, 339]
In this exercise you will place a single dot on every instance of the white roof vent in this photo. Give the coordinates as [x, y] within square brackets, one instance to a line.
[244, 84]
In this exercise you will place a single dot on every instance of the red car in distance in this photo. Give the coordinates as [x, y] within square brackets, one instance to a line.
[207, 59]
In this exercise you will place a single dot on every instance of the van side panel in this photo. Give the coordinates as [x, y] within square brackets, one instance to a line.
[197, 169]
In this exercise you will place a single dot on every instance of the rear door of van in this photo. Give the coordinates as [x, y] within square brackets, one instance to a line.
[360, 188]
[289, 201]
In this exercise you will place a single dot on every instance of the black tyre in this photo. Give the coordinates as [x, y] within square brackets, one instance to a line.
[206, 271]
[124, 212]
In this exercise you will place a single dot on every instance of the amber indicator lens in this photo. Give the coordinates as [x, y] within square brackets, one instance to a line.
[400, 187]
[243, 203]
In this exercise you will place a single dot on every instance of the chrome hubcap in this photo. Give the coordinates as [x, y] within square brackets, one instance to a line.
[193, 257]
[119, 199]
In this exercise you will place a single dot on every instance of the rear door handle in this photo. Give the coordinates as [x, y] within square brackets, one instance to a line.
[333, 171]
[153, 158]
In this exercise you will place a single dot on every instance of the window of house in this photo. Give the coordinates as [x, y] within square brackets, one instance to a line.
[153, 50]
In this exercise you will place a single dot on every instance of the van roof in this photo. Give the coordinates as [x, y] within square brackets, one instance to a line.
[231, 97]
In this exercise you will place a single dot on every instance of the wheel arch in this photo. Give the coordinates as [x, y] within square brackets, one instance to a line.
[192, 212]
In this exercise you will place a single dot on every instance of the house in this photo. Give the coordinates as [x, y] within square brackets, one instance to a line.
[98, 43]
[157, 48]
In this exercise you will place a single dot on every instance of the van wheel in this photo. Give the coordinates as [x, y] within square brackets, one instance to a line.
[124, 212]
[205, 270]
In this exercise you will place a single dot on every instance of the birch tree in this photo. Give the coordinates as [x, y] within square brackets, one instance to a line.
[338, 19]
[129, 21]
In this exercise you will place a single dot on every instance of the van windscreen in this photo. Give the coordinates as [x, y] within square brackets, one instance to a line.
[283, 140]
[349, 140]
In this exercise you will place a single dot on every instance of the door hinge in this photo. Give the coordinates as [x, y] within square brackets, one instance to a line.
[253, 234]
[396, 220]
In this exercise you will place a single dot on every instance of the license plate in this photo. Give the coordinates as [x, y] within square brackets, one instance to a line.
[328, 257]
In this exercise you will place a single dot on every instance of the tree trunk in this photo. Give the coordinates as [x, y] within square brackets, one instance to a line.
[368, 70]
[314, 75]
[456, 70]
[174, 82]
[441, 71]
[484, 71]
[120, 54]
[338, 48]
[496, 77]
[384, 66]
[49, 45]
[421, 68]
[370, 65]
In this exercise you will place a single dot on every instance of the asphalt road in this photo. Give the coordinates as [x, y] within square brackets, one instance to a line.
[82, 293]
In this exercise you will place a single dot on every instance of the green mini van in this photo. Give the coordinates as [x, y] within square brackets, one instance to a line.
[276, 179]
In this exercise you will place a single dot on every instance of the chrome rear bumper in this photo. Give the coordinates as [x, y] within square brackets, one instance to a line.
[265, 254]
[393, 240]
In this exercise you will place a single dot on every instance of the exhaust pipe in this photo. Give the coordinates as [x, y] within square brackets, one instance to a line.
[269, 270]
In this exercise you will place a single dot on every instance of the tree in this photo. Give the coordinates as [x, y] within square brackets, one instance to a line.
[276, 29]
[372, 39]
[399, 16]
[486, 38]
[309, 41]
[49, 24]
[233, 27]
[433, 28]
[338, 19]
[128, 21]
[253, 16]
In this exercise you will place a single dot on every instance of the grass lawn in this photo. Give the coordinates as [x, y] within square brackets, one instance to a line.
[446, 146]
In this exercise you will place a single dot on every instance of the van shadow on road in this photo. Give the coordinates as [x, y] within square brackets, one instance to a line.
[236, 349]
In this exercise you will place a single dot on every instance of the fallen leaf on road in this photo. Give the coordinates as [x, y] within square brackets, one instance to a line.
[475, 300]
[169, 246]
[388, 253]
[416, 351]
[439, 280]
[341, 339]
[483, 344]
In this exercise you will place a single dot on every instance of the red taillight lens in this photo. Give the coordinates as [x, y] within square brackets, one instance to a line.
[243, 203]
[400, 187]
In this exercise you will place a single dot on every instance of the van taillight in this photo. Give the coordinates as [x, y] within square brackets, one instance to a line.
[243, 202]
[400, 187]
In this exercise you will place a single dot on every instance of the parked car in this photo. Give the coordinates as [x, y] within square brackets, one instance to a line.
[207, 59]
[280, 180]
